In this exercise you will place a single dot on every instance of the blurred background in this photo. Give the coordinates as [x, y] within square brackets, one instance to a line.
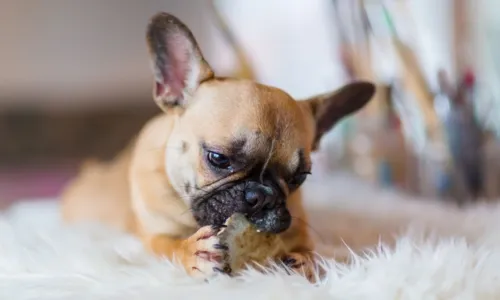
[75, 83]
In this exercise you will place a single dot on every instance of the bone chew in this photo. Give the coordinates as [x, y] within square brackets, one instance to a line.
[247, 245]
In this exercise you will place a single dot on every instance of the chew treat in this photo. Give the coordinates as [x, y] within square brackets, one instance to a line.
[246, 244]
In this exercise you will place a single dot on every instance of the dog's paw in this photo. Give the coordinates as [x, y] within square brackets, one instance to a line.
[303, 264]
[205, 255]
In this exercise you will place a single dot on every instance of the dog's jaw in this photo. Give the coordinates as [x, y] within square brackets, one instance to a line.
[273, 221]
[214, 208]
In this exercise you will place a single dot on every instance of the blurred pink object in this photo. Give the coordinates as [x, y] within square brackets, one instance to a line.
[33, 182]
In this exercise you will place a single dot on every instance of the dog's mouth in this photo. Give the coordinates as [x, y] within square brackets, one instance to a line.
[216, 207]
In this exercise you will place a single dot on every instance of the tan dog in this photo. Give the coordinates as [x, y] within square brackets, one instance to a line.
[222, 146]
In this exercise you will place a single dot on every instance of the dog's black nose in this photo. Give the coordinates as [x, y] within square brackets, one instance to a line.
[253, 197]
[260, 196]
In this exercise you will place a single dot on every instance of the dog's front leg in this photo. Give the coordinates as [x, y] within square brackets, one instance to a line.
[300, 257]
[201, 254]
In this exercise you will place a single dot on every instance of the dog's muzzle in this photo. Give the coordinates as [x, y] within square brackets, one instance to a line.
[263, 204]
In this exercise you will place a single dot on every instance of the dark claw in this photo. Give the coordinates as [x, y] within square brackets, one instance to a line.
[227, 270]
[218, 227]
[221, 247]
[289, 261]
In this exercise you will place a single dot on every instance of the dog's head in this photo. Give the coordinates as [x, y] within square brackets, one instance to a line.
[236, 146]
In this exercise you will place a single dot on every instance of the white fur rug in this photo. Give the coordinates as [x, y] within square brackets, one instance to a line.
[41, 259]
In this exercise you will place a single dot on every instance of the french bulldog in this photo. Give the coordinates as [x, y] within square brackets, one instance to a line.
[221, 146]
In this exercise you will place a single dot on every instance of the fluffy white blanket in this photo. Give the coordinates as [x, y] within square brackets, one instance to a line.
[460, 259]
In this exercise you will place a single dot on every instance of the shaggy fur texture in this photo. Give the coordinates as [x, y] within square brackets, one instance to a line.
[447, 254]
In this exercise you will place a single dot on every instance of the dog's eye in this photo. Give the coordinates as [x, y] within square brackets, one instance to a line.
[298, 179]
[218, 160]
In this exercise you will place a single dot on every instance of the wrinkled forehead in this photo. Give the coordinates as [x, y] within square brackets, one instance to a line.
[248, 117]
[241, 107]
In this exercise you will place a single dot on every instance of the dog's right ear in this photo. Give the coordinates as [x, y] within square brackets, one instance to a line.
[329, 108]
[178, 64]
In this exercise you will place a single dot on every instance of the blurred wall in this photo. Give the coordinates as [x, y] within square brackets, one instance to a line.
[91, 54]
[65, 54]
[293, 44]
[487, 45]
[74, 53]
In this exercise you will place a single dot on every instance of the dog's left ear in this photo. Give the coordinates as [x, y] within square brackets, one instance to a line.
[178, 64]
[327, 109]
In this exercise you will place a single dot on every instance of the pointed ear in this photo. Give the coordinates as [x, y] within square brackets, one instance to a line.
[178, 65]
[327, 109]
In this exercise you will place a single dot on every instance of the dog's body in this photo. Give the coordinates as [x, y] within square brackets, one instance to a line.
[222, 146]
